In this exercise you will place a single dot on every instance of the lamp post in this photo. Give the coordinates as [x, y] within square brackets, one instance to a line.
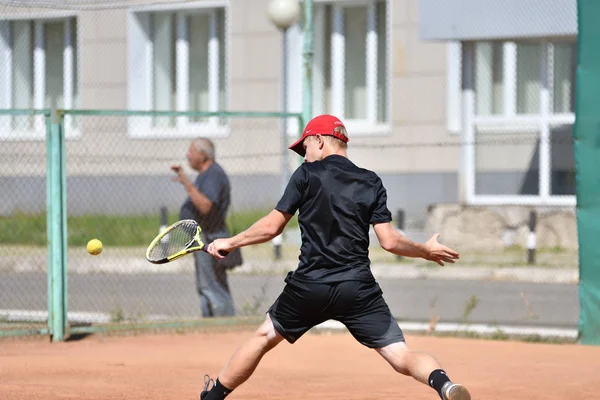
[283, 14]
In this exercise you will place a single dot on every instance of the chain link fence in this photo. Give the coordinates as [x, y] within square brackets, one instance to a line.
[23, 253]
[121, 191]
[523, 93]
[472, 139]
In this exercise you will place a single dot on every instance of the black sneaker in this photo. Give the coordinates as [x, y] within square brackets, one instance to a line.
[208, 384]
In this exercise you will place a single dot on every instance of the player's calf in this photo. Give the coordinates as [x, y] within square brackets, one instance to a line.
[424, 368]
[448, 390]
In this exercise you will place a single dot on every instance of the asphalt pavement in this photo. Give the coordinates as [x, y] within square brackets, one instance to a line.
[145, 296]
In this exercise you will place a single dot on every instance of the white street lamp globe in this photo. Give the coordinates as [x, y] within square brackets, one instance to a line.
[283, 13]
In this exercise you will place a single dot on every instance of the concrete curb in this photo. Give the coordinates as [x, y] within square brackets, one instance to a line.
[137, 265]
[483, 330]
[448, 329]
[518, 274]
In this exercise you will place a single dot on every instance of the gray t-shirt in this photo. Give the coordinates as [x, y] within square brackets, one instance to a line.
[214, 184]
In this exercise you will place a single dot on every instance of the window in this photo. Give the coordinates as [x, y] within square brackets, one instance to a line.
[516, 112]
[38, 69]
[350, 64]
[509, 79]
[563, 73]
[489, 62]
[177, 62]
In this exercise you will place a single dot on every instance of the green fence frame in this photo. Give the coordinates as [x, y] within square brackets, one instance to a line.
[57, 238]
[60, 327]
[141, 113]
[54, 224]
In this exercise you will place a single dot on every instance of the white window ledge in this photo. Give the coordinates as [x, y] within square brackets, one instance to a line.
[520, 200]
[363, 128]
[185, 132]
[354, 128]
[519, 124]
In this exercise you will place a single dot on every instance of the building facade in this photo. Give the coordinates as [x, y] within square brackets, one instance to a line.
[448, 101]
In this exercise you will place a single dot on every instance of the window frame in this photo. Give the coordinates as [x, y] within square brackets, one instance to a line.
[71, 69]
[295, 75]
[141, 86]
[510, 123]
[510, 119]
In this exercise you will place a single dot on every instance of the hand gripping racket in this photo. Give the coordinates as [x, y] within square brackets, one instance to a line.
[177, 240]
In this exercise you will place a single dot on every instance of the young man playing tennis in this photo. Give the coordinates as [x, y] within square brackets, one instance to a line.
[337, 202]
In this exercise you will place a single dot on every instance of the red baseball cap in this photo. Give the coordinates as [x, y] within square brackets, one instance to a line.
[321, 125]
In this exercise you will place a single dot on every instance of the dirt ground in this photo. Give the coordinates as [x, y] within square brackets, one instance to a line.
[318, 366]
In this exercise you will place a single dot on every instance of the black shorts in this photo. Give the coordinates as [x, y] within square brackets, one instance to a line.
[360, 306]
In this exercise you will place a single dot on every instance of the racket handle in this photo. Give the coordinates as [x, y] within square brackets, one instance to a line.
[221, 252]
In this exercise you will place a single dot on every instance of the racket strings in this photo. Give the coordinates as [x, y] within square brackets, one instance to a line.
[177, 239]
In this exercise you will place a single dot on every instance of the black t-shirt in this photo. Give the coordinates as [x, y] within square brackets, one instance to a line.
[337, 202]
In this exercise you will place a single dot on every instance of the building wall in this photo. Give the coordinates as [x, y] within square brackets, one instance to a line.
[416, 169]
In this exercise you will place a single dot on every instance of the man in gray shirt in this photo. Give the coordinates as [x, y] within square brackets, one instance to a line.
[207, 203]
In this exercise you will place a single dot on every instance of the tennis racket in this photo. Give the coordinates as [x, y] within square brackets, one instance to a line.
[177, 240]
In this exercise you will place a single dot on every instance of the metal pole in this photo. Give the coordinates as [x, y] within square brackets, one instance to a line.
[50, 204]
[65, 235]
[531, 238]
[163, 219]
[284, 127]
[307, 94]
[400, 226]
[163, 224]
[468, 148]
[284, 120]
[58, 287]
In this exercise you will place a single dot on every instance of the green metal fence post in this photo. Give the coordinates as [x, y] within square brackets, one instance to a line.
[63, 206]
[57, 271]
[49, 214]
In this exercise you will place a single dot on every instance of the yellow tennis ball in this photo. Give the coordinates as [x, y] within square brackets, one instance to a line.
[94, 247]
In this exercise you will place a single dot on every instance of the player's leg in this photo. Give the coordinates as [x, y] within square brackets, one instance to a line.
[243, 362]
[424, 368]
[228, 308]
[220, 270]
[215, 301]
[289, 318]
[408, 362]
[371, 322]
[201, 287]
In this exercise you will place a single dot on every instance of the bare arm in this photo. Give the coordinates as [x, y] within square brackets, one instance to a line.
[394, 242]
[261, 231]
[200, 201]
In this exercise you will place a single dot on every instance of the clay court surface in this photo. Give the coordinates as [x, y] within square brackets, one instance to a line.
[319, 366]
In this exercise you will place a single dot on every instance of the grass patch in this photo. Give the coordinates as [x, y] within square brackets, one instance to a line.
[23, 229]
[112, 230]
[136, 231]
